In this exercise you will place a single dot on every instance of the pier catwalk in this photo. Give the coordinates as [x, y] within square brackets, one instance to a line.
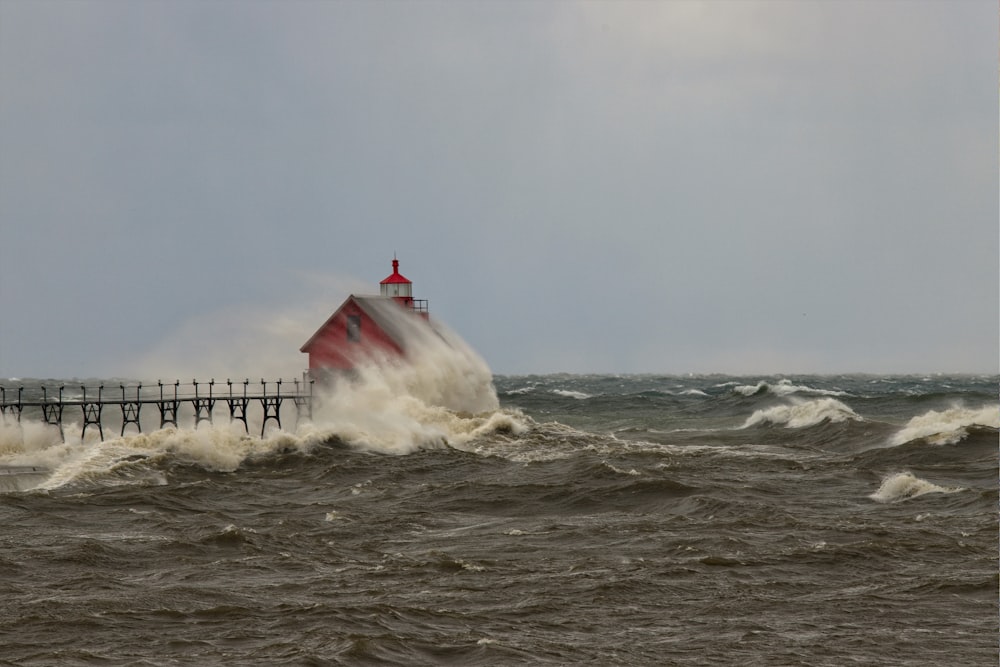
[51, 402]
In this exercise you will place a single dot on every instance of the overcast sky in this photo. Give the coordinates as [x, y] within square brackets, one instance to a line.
[668, 187]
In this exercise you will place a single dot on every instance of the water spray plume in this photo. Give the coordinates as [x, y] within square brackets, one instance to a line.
[439, 393]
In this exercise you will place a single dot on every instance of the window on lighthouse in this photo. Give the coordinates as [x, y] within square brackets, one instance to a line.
[354, 328]
[397, 289]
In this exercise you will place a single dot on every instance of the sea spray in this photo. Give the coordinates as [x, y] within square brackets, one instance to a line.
[437, 366]
[783, 387]
[799, 413]
[946, 427]
[903, 485]
[244, 340]
[25, 435]
[440, 393]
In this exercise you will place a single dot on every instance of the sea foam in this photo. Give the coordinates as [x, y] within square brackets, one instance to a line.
[783, 388]
[947, 427]
[799, 414]
[568, 393]
[904, 485]
[441, 394]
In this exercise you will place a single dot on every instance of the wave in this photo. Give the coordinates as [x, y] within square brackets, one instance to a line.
[440, 396]
[566, 393]
[146, 458]
[947, 427]
[783, 388]
[904, 485]
[800, 414]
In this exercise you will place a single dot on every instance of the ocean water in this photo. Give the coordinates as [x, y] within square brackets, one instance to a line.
[436, 514]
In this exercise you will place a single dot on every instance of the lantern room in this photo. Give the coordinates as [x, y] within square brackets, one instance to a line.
[396, 285]
[399, 288]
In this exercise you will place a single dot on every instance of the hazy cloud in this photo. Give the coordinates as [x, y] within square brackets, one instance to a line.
[579, 186]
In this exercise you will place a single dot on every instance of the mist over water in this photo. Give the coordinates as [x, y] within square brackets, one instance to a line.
[250, 340]
[441, 393]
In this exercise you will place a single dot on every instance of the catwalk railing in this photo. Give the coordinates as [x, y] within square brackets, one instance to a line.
[168, 399]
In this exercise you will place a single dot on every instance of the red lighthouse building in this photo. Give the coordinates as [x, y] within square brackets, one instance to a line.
[367, 326]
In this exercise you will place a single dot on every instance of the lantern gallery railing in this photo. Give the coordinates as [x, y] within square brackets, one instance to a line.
[168, 399]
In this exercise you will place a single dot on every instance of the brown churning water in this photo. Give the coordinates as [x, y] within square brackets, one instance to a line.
[434, 514]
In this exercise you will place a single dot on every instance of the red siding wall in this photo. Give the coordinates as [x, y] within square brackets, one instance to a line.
[332, 349]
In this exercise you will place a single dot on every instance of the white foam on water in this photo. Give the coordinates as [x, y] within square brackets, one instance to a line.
[904, 485]
[132, 459]
[567, 393]
[632, 472]
[946, 427]
[800, 414]
[783, 388]
[440, 395]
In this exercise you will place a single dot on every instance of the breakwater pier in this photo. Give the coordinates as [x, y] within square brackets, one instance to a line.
[52, 404]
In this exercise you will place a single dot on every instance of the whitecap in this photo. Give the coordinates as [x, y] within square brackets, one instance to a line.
[947, 427]
[621, 471]
[904, 485]
[579, 395]
[784, 387]
[799, 414]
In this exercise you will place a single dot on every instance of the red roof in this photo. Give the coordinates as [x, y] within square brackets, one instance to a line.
[396, 276]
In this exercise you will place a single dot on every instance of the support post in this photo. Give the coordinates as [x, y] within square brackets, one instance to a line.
[130, 409]
[14, 408]
[52, 412]
[168, 407]
[92, 411]
[271, 405]
[203, 406]
[238, 404]
[303, 401]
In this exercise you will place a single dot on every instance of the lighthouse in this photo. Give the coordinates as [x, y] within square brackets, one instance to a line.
[399, 288]
[364, 327]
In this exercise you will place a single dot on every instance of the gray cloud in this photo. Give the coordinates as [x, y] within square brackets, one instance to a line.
[661, 187]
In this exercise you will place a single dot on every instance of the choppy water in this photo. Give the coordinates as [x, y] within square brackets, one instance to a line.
[564, 520]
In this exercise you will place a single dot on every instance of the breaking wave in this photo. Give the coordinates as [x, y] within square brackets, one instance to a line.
[904, 485]
[693, 392]
[783, 388]
[441, 395]
[406, 426]
[800, 414]
[947, 427]
[567, 393]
